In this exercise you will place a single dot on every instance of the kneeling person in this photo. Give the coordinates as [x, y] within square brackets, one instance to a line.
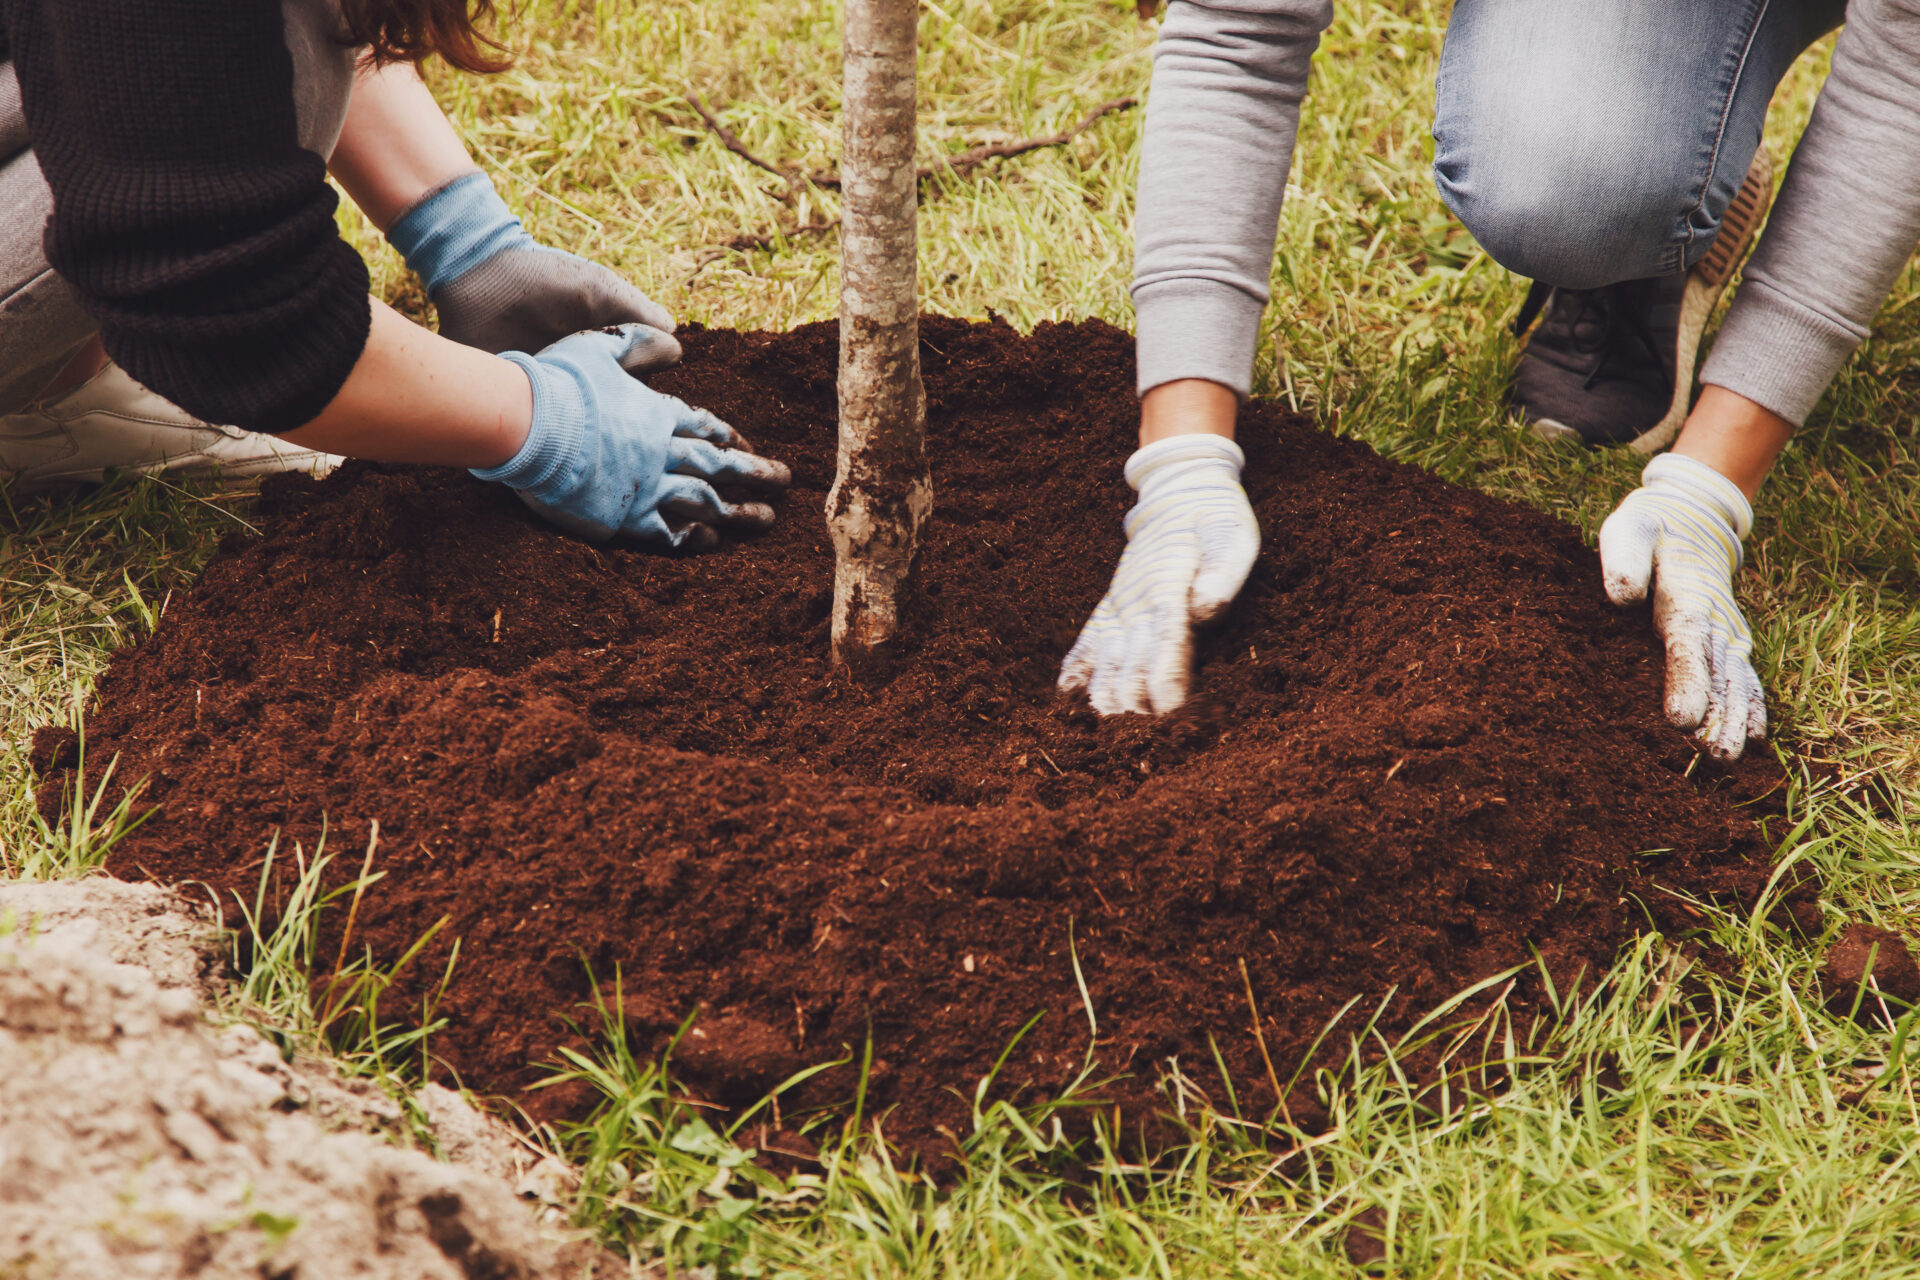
[1612, 153]
[169, 261]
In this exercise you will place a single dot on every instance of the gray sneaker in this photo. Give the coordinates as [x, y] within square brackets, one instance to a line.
[1599, 368]
[111, 423]
[1615, 365]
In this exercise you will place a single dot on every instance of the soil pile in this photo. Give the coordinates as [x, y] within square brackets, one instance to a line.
[1422, 744]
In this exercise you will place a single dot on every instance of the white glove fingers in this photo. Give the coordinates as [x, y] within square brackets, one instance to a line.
[695, 457]
[1689, 674]
[1191, 542]
[1168, 664]
[1131, 688]
[1679, 537]
[1084, 658]
[1756, 707]
[1229, 544]
[1627, 543]
[1106, 682]
[1117, 684]
[1730, 716]
[1725, 729]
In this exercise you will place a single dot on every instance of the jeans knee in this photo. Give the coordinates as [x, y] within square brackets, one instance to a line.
[1557, 223]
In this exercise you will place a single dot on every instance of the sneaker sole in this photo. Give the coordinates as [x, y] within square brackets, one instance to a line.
[252, 470]
[1553, 432]
[1705, 283]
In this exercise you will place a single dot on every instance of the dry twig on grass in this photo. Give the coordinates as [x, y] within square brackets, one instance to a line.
[974, 157]
[957, 165]
[732, 142]
[966, 161]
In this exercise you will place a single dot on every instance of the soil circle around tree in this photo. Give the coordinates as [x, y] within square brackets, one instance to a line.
[1423, 750]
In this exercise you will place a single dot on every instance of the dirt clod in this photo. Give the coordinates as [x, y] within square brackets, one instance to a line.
[1422, 746]
[1864, 950]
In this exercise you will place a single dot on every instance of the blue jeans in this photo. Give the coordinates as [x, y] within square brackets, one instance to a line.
[1587, 142]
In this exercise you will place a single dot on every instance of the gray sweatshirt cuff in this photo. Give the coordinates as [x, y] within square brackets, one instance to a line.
[1191, 328]
[1777, 352]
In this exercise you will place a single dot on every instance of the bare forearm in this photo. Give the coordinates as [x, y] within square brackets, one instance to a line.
[1188, 406]
[396, 146]
[416, 397]
[1734, 436]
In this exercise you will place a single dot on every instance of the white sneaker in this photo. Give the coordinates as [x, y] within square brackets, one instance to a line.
[112, 423]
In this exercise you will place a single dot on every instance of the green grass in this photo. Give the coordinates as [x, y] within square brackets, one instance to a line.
[1724, 1125]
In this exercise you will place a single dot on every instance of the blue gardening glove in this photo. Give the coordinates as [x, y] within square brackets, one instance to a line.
[609, 455]
[1682, 529]
[1191, 541]
[498, 289]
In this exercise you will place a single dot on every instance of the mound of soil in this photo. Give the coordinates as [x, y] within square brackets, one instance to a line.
[1423, 743]
[1877, 959]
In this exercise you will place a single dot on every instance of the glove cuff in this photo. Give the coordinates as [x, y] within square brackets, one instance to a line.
[453, 229]
[1176, 450]
[556, 437]
[1705, 485]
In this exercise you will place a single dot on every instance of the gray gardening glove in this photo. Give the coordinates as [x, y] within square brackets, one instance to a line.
[499, 289]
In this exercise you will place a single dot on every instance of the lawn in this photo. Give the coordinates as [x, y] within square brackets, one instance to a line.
[1633, 1135]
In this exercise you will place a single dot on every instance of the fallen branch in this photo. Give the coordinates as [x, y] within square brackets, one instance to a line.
[974, 157]
[732, 142]
[964, 162]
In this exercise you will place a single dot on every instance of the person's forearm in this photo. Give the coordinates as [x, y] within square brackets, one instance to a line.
[416, 397]
[1228, 79]
[1734, 436]
[1843, 227]
[396, 146]
[1190, 406]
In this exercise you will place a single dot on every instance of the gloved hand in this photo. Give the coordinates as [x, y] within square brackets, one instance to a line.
[498, 289]
[1683, 528]
[1191, 541]
[609, 455]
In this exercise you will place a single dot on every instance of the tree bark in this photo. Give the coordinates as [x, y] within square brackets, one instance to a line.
[881, 493]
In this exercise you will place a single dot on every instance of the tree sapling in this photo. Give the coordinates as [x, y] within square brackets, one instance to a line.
[881, 493]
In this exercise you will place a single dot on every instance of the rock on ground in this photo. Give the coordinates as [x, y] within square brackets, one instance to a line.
[139, 1139]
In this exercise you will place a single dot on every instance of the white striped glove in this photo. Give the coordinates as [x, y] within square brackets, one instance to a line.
[1682, 528]
[1191, 541]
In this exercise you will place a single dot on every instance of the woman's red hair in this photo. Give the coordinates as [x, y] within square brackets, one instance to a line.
[414, 30]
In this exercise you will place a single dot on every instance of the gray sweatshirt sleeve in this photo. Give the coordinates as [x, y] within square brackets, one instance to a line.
[1845, 223]
[1228, 77]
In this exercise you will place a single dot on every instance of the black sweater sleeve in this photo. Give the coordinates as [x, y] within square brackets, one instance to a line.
[187, 217]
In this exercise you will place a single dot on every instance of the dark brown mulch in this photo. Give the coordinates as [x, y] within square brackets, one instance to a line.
[1423, 745]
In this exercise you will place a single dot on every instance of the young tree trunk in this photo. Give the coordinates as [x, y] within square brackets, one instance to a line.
[881, 494]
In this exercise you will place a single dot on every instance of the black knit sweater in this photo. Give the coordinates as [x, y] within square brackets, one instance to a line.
[186, 215]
